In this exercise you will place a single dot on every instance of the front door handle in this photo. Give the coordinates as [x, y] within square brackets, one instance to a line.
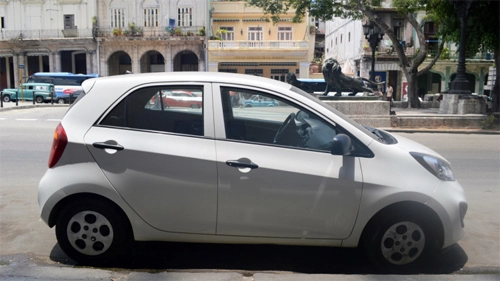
[108, 145]
[242, 163]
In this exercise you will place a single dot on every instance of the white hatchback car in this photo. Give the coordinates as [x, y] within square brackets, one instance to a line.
[123, 168]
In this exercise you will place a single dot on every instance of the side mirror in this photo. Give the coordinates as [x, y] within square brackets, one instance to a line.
[341, 145]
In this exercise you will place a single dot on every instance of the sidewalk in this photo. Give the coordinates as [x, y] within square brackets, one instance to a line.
[427, 120]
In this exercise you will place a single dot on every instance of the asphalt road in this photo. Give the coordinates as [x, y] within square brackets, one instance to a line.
[29, 247]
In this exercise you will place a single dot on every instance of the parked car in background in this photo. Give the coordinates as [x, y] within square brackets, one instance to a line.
[180, 98]
[259, 101]
[67, 96]
[302, 173]
[41, 92]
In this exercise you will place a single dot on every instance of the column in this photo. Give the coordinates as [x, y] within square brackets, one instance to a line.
[168, 59]
[7, 69]
[51, 61]
[304, 69]
[57, 65]
[40, 63]
[136, 62]
[88, 62]
[213, 66]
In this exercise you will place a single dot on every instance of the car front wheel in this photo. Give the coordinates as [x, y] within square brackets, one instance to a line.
[92, 232]
[39, 99]
[400, 242]
[60, 101]
[6, 98]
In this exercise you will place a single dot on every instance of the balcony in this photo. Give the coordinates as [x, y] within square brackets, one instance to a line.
[179, 33]
[42, 34]
[214, 45]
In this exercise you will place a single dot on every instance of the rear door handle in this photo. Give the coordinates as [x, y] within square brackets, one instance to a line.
[108, 145]
[240, 164]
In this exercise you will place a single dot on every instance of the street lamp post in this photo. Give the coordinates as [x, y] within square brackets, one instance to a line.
[373, 34]
[460, 85]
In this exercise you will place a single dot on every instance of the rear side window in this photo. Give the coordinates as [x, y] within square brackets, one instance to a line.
[164, 109]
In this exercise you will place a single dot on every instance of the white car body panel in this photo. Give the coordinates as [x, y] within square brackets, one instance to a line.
[295, 197]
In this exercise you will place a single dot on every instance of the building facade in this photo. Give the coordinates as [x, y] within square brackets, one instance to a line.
[151, 36]
[242, 41]
[45, 35]
[107, 37]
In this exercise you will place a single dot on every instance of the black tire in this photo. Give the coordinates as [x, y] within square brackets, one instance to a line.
[93, 232]
[6, 98]
[61, 101]
[39, 99]
[400, 242]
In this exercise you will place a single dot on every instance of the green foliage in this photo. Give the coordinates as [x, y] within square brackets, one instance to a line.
[322, 9]
[201, 31]
[491, 122]
[445, 54]
[482, 24]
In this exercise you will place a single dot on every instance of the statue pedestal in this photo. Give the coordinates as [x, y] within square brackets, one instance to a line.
[462, 104]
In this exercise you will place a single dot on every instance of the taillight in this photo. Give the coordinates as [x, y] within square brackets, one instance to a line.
[68, 91]
[58, 145]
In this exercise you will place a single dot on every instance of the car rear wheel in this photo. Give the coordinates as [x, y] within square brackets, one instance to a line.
[195, 106]
[400, 242]
[6, 98]
[39, 99]
[92, 232]
[60, 101]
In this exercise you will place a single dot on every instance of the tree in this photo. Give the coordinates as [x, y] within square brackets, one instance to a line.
[483, 25]
[357, 9]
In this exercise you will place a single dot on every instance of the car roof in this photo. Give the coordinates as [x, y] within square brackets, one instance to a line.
[131, 80]
[38, 84]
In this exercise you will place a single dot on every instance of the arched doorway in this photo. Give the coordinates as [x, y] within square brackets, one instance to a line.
[152, 61]
[186, 61]
[119, 63]
[429, 83]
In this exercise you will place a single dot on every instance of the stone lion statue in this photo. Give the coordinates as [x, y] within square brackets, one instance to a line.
[339, 82]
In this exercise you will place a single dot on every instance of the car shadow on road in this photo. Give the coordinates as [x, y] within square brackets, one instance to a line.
[156, 256]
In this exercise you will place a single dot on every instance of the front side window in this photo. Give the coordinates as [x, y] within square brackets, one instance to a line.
[165, 109]
[259, 117]
[185, 17]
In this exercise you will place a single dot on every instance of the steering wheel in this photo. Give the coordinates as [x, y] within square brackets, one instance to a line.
[284, 127]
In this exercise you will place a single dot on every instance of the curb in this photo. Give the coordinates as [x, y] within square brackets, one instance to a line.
[31, 106]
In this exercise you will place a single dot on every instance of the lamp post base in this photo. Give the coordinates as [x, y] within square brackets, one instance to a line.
[459, 86]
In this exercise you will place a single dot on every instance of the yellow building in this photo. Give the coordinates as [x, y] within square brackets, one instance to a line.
[242, 41]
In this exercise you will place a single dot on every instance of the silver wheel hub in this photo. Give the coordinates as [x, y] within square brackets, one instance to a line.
[90, 233]
[403, 243]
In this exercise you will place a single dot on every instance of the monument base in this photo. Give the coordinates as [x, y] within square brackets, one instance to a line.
[462, 104]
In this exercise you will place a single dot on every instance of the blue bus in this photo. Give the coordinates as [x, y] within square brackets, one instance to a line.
[65, 83]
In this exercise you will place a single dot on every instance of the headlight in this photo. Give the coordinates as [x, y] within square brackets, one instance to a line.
[437, 166]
